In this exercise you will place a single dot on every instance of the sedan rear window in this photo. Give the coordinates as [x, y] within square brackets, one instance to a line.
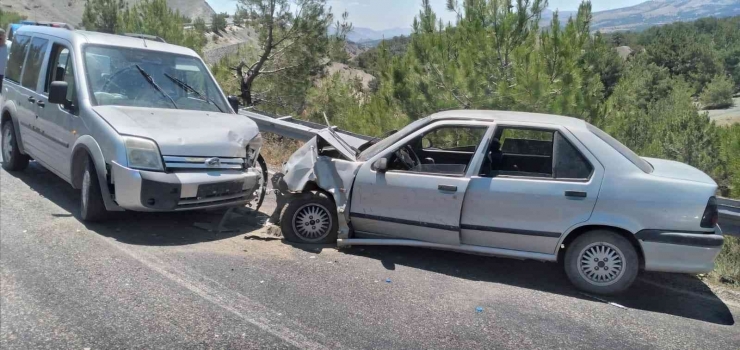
[622, 149]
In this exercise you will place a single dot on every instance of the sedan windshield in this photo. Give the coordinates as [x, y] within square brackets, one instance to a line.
[143, 78]
[388, 141]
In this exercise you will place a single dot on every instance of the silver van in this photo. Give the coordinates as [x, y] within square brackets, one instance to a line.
[135, 123]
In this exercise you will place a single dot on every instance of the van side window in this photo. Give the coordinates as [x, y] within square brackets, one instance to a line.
[61, 69]
[17, 56]
[34, 60]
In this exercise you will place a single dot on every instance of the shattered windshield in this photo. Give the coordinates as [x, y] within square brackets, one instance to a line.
[144, 78]
[386, 142]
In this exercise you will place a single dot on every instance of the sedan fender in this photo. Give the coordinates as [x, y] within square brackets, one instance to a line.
[335, 176]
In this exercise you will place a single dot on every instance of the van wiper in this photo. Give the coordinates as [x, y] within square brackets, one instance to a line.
[151, 81]
[187, 87]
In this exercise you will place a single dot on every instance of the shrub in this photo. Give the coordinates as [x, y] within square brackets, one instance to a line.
[718, 93]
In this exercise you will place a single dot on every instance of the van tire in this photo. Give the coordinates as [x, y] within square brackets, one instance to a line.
[13, 159]
[92, 206]
[592, 259]
[310, 218]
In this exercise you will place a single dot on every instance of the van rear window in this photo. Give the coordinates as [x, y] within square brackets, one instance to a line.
[622, 149]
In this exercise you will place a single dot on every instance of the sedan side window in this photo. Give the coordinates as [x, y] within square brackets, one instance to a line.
[447, 150]
[521, 152]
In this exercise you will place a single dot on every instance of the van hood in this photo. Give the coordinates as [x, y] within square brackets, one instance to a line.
[677, 170]
[183, 132]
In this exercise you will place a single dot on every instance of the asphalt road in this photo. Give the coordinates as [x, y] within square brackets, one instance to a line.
[155, 281]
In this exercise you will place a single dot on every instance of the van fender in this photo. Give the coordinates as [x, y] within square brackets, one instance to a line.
[10, 109]
[87, 144]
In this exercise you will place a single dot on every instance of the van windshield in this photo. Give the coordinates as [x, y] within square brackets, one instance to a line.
[143, 78]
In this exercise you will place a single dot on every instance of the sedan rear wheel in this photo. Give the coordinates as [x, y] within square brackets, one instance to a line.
[601, 262]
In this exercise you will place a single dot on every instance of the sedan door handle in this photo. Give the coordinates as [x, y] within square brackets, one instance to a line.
[40, 103]
[31, 99]
[576, 194]
[449, 188]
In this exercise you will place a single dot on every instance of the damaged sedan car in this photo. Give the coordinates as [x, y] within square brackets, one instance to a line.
[135, 123]
[506, 184]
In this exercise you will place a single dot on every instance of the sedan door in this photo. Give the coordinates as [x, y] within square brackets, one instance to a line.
[415, 200]
[535, 184]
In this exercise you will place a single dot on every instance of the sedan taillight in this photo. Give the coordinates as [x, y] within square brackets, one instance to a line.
[711, 215]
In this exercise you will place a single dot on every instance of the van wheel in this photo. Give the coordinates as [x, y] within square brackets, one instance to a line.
[601, 262]
[13, 159]
[311, 218]
[92, 207]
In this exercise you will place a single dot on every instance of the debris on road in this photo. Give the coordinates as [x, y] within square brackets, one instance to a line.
[605, 301]
[478, 309]
[387, 280]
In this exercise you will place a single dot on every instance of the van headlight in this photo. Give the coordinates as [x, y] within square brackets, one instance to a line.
[253, 150]
[142, 154]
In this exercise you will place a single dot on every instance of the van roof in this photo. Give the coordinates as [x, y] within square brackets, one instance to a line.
[81, 37]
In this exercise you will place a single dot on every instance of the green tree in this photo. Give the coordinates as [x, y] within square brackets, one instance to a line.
[8, 17]
[200, 25]
[218, 22]
[154, 17]
[102, 15]
[294, 39]
[718, 93]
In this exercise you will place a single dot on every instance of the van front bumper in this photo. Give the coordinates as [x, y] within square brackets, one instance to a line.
[140, 190]
[682, 252]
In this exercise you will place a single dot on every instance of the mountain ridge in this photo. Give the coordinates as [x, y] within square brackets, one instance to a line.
[70, 11]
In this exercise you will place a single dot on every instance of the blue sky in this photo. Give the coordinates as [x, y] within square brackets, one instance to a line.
[387, 14]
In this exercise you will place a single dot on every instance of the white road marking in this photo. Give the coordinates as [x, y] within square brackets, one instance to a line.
[234, 302]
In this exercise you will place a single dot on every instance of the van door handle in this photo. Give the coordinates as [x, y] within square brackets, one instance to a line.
[40, 103]
[31, 99]
[576, 194]
[449, 188]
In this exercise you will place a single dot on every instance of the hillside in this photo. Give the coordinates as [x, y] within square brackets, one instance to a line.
[70, 11]
[657, 12]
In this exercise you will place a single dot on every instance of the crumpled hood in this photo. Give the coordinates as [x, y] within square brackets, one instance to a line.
[183, 132]
[677, 170]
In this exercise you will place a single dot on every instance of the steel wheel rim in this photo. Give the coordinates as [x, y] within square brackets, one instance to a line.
[7, 145]
[601, 263]
[312, 222]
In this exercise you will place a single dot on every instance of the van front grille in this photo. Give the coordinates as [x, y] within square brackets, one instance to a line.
[208, 163]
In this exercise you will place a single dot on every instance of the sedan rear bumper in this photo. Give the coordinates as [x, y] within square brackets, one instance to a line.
[680, 251]
[155, 191]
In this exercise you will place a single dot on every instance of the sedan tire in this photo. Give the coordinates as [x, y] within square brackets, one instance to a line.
[601, 262]
[310, 218]
[92, 207]
[13, 159]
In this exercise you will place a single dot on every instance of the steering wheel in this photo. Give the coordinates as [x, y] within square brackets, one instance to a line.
[111, 81]
[408, 157]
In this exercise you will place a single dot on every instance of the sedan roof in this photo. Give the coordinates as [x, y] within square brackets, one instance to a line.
[487, 115]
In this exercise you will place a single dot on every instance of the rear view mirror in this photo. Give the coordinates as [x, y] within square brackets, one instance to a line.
[58, 92]
[234, 102]
[381, 165]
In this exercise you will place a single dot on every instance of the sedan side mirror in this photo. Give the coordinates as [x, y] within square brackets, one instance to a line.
[58, 92]
[234, 102]
[381, 165]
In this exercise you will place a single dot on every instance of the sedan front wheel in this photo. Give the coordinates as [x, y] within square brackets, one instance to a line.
[310, 218]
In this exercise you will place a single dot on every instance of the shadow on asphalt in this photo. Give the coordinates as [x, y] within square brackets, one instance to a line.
[172, 229]
[155, 229]
[702, 304]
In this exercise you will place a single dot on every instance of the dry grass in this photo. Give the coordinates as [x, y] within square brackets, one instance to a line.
[727, 267]
[277, 149]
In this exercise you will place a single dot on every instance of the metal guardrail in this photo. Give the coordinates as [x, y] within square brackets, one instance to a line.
[729, 216]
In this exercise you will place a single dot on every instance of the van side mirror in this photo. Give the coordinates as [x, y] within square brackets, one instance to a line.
[381, 165]
[234, 102]
[58, 92]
